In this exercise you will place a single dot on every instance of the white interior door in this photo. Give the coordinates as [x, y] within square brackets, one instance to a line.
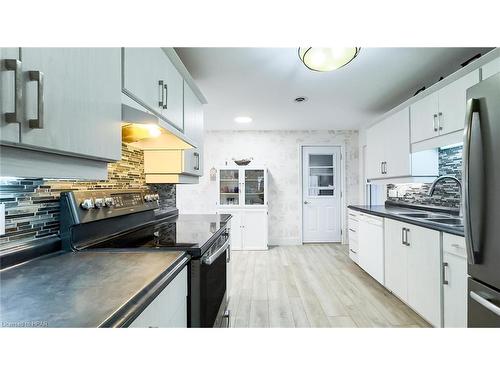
[321, 191]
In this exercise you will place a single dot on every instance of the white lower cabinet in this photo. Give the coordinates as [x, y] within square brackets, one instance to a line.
[396, 259]
[249, 228]
[454, 281]
[424, 273]
[413, 267]
[371, 245]
[353, 226]
[169, 308]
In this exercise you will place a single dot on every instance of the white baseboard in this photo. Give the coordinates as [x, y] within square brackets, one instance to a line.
[284, 241]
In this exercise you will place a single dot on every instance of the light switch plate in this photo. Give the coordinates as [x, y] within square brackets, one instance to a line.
[2, 219]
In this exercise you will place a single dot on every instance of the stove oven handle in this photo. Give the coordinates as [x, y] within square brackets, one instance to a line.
[209, 260]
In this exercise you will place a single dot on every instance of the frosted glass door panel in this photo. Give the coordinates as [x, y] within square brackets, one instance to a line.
[321, 175]
[254, 187]
[229, 187]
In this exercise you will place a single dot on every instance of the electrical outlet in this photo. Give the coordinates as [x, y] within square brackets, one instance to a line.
[393, 193]
[2, 219]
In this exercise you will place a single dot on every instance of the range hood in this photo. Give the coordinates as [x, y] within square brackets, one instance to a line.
[169, 156]
[146, 131]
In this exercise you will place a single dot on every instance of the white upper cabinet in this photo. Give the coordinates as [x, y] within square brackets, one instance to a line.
[491, 68]
[72, 101]
[424, 118]
[151, 79]
[10, 111]
[388, 150]
[443, 111]
[452, 100]
[397, 150]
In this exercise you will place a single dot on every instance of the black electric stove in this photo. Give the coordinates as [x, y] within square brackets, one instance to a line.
[126, 221]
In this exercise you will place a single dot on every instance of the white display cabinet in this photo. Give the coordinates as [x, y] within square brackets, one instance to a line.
[242, 192]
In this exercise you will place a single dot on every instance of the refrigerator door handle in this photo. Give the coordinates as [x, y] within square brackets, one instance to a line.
[471, 119]
[485, 303]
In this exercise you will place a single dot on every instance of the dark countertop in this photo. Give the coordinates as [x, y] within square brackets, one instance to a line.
[394, 211]
[85, 289]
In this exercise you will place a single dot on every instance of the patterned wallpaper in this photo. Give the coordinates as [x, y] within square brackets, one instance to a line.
[447, 193]
[279, 152]
[32, 206]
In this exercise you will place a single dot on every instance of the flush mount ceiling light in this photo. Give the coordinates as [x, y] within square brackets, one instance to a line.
[327, 59]
[243, 120]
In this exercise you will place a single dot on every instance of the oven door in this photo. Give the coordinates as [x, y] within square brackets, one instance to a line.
[213, 283]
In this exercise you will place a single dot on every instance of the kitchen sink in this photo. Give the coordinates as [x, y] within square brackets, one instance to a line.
[448, 221]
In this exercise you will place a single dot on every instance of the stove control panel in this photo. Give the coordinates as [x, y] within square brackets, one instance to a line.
[93, 205]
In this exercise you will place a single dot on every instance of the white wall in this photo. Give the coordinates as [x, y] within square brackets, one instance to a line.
[278, 150]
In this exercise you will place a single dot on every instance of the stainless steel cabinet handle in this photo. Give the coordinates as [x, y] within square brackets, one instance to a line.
[381, 167]
[471, 117]
[16, 66]
[485, 303]
[352, 230]
[440, 117]
[161, 102]
[445, 279]
[197, 165]
[165, 88]
[434, 122]
[406, 239]
[385, 167]
[403, 236]
[37, 76]
[227, 315]
[306, 202]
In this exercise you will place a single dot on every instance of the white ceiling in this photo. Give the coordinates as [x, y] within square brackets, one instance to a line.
[262, 83]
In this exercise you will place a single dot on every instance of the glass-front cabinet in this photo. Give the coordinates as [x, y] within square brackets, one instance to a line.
[242, 186]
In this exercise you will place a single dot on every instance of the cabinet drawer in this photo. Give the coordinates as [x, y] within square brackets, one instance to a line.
[454, 245]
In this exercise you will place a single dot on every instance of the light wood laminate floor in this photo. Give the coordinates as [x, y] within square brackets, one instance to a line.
[310, 286]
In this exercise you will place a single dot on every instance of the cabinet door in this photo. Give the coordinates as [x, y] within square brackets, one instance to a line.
[371, 246]
[254, 187]
[229, 187]
[150, 77]
[397, 144]
[396, 259]
[454, 281]
[193, 128]
[423, 118]
[81, 101]
[452, 103]
[375, 151]
[9, 131]
[173, 109]
[491, 68]
[169, 308]
[424, 273]
[254, 226]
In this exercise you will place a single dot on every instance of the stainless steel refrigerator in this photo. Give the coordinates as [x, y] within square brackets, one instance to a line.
[482, 202]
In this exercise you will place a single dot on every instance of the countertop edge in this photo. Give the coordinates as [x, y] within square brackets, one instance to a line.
[131, 309]
[419, 223]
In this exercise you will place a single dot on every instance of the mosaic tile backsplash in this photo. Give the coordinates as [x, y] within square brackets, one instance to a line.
[447, 193]
[32, 206]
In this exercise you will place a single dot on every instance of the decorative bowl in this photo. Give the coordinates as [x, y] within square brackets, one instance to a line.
[243, 161]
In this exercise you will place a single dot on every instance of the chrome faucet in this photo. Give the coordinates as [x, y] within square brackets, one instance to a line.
[448, 177]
